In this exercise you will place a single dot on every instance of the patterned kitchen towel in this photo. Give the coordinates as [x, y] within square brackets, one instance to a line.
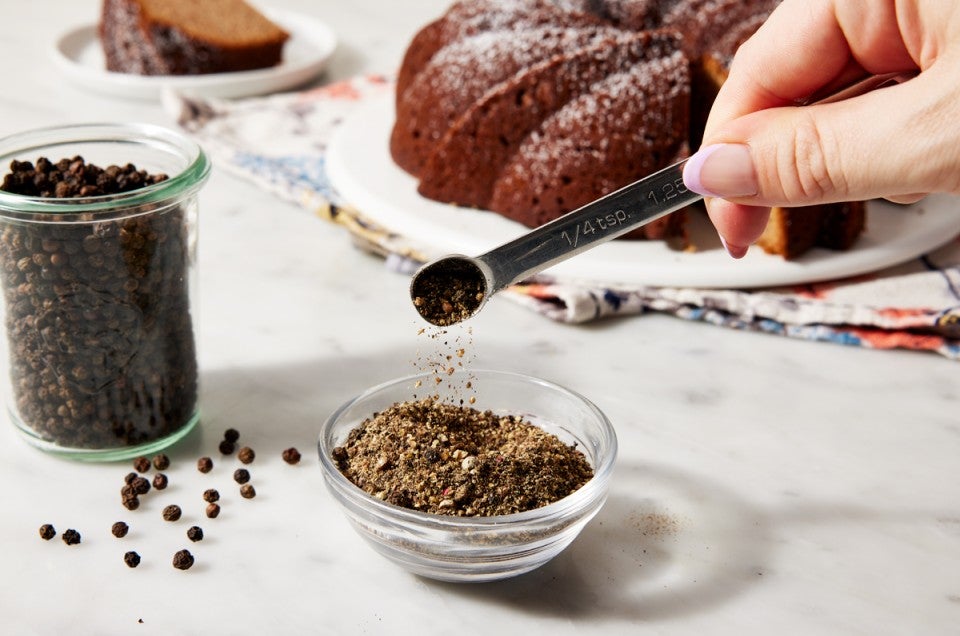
[279, 142]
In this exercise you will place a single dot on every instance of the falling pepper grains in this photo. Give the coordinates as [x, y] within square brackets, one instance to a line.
[161, 462]
[47, 532]
[141, 464]
[204, 464]
[211, 495]
[195, 533]
[291, 456]
[71, 537]
[132, 559]
[246, 455]
[160, 481]
[213, 511]
[241, 475]
[183, 560]
[247, 491]
[171, 513]
[119, 529]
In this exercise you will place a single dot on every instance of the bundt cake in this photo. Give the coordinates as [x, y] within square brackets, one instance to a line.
[187, 37]
[532, 108]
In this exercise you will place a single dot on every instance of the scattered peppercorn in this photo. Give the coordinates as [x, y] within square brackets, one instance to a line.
[231, 435]
[71, 537]
[129, 478]
[161, 462]
[132, 559]
[213, 511]
[195, 533]
[247, 491]
[141, 485]
[183, 560]
[227, 447]
[171, 512]
[211, 495]
[131, 503]
[119, 529]
[204, 464]
[291, 456]
[241, 475]
[47, 532]
[141, 464]
[246, 455]
[128, 490]
[159, 481]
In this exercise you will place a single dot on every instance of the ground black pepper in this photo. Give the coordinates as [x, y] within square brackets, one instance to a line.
[161, 462]
[101, 342]
[213, 511]
[141, 465]
[47, 532]
[119, 529]
[195, 533]
[241, 475]
[71, 537]
[171, 513]
[247, 491]
[291, 456]
[211, 495]
[131, 558]
[183, 560]
[454, 460]
[160, 481]
[246, 455]
[204, 464]
[448, 291]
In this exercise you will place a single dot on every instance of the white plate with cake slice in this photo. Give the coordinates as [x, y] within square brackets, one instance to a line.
[78, 54]
[360, 168]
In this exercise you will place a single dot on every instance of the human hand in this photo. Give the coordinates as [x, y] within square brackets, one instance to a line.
[899, 142]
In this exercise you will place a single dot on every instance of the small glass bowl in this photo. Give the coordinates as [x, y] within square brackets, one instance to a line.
[488, 548]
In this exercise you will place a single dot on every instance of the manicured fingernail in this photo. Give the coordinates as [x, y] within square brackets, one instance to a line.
[736, 251]
[721, 170]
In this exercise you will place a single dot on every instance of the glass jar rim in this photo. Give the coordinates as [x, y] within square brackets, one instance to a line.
[179, 185]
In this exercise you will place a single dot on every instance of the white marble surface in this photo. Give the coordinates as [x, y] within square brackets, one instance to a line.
[764, 485]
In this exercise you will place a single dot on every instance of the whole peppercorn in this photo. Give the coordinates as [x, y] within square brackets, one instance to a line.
[141, 485]
[129, 478]
[131, 503]
[231, 435]
[204, 464]
[227, 448]
[241, 475]
[159, 481]
[246, 455]
[213, 511]
[161, 462]
[247, 491]
[211, 495]
[171, 512]
[119, 529]
[128, 490]
[183, 560]
[141, 464]
[132, 559]
[71, 537]
[47, 532]
[195, 533]
[291, 456]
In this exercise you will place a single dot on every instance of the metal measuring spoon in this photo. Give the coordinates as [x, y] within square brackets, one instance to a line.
[455, 287]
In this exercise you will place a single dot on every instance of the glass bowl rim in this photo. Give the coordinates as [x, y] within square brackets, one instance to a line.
[178, 185]
[575, 502]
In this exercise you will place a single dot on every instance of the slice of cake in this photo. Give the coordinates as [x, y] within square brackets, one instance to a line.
[187, 37]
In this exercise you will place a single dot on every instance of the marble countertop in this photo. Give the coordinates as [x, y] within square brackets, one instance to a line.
[764, 485]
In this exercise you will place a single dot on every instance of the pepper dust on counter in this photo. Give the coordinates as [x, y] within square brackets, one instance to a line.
[455, 460]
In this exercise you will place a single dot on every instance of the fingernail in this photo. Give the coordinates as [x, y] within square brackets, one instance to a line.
[736, 251]
[721, 170]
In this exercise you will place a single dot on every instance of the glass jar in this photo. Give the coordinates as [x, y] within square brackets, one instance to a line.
[99, 357]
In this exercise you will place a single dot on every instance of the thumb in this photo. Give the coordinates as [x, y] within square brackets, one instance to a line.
[893, 142]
